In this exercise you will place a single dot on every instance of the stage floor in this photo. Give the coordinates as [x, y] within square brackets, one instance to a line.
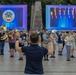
[55, 66]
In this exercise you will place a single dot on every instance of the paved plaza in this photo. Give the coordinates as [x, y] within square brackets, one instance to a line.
[55, 66]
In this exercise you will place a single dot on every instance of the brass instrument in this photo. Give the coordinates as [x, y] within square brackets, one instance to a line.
[54, 31]
[3, 27]
[4, 37]
[16, 30]
[17, 34]
[70, 39]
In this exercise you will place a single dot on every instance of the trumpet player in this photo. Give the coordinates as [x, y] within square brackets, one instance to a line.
[2, 41]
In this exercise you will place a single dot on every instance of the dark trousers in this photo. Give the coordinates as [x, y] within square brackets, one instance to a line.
[46, 56]
[63, 43]
[2, 47]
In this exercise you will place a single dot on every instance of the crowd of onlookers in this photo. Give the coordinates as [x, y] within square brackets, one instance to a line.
[59, 39]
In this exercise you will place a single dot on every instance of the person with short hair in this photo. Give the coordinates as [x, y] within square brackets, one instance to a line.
[68, 40]
[11, 40]
[34, 55]
[55, 39]
[73, 43]
[21, 44]
[60, 43]
[2, 41]
[46, 43]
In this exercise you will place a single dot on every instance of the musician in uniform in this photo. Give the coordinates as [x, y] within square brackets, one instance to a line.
[55, 39]
[46, 43]
[68, 40]
[60, 43]
[23, 37]
[11, 40]
[73, 44]
[2, 41]
[21, 44]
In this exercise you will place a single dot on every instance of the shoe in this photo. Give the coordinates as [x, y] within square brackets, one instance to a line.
[11, 56]
[21, 58]
[46, 59]
[1, 54]
[60, 54]
[52, 57]
[68, 59]
[72, 56]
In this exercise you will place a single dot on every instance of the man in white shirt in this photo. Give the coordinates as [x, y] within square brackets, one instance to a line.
[68, 40]
[73, 43]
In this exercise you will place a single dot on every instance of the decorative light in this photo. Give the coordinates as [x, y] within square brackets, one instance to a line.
[64, 11]
[73, 12]
[60, 11]
[51, 13]
[55, 12]
[68, 12]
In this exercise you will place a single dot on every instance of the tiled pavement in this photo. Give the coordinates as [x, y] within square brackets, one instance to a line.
[55, 66]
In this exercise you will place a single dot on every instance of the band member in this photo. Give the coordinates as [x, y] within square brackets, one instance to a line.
[28, 38]
[45, 42]
[21, 44]
[2, 41]
[38, 32]
[41, 36]
[60, 43]
[23, 36]
[68, 40]
[75, 38]
[11, 40]
[73, 44]
[63, 37]
[55, 39]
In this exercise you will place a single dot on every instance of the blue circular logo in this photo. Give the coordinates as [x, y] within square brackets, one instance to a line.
[8, 15]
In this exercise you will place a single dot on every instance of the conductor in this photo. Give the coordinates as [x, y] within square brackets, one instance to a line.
[34, 54]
